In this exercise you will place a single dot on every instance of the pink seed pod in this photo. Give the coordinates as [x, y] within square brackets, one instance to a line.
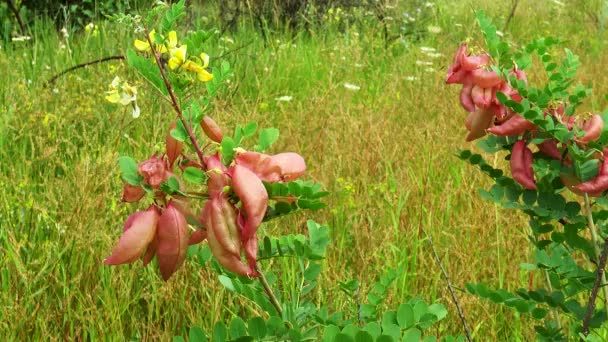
[482, 97]
[521, 165]
[455, 72]
[224, 224]
[138, 232]
[477, 123]
[516, 125]
[172, 240]
[486, 78]
[230, 261]
[253, 195]
[261, 164]
[211, 129]
[173, 146]
[549, 148]
[593, 129]
[598, 184]
[197, 236]
[471, 63]
[466, 100]
[132, 193]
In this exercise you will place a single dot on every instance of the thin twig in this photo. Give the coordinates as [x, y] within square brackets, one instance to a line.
[596, 242]
[174, 101]
[268, 290]
[596, 286]
[511, 15]
[82, 65]
[15, 11]
[443, 271]
[555, 312]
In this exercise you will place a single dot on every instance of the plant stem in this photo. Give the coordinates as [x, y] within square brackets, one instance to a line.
[83, 65]
[268, 290]
[555, 312]
[598, 279]
[174, 101]
[15, 10]
[596, 247]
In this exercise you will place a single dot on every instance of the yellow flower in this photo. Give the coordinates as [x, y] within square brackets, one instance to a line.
[177, 57]
[202, 74]
[142, 45]
[123, 93]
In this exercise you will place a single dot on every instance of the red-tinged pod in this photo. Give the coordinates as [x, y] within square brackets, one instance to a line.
[216, 171]
[455, 71]
[482, 97]
[598, 184]
[593, 129]
[471, 63]
[150, 252]
[252, 193]
[231, 262]
[292, 165]
[198, 236]
[251, 250]
[479, 121]
[173, 146]
[132, 193]
[211, 129]
[172, 240]
[138, 232]
[224, 224]
[549, 148]
[486, 78]
[465, 98]
[261, 164]
[521, 165]
[516, 125]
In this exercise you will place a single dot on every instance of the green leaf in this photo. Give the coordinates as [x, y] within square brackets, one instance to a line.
[257, 327]
[177, 11]
[178, 339]
[363, 336]
[194, 175]
[268, 136]
[219, 332]
[227, 282]
[373, 328]
[148, 69]
[228, 152]
[385, 338]
[412, 335]
[250, 129]
[330, 333]
[405, 316]
[128, 167]
[319, 237]
[438, 310]
[237, 328]
[196, 334]
[179, 132]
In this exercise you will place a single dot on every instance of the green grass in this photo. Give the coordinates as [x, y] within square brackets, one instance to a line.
[386, 152]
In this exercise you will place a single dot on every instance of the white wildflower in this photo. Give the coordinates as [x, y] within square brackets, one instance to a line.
[284, 98]
[351, 86]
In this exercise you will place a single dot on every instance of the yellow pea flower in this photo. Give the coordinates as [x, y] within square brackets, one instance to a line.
[142, 45]
[177, 57]
[202, 74]
[123, 93]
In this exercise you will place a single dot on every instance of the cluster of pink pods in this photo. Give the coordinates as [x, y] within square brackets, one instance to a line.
[487, 115]
[235, 208]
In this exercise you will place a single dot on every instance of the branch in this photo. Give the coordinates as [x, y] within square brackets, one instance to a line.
[596, 241]
[15, 11]
[596, 287]
[83, 65]
[174, 101]
[268, 290]
[511, 15]
[443, 271]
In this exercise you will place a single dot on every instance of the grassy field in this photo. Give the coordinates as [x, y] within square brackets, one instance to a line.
[385, 151]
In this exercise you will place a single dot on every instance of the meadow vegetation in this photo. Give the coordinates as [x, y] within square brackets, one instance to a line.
[374, 120]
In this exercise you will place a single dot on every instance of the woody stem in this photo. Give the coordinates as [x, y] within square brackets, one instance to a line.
[273, 300]
[596, 247]
[174, 102]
